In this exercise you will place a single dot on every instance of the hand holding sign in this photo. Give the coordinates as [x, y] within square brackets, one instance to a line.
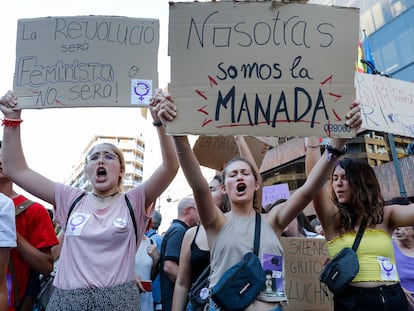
[162, 107]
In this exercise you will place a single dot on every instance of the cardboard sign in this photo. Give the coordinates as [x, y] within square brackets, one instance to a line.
[273, 193]
[262, 68]
[84, 61]
[387, 104]
[304, 261]
[215, 151]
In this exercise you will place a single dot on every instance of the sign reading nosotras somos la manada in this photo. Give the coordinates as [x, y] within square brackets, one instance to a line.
[262, 68]
[90, 61]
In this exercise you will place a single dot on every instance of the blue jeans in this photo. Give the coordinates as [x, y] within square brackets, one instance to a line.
[381, 298]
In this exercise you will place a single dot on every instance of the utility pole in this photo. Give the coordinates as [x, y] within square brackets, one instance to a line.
[397, 166]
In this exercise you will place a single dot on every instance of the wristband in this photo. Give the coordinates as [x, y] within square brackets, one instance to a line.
[333, 152]
[11, 122]
[157, 124]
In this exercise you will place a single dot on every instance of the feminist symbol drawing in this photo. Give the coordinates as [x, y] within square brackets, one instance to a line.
[142, 89]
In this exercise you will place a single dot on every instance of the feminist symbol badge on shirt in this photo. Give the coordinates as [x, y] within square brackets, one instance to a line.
[76, 223]
[120, 223]
[388, 270]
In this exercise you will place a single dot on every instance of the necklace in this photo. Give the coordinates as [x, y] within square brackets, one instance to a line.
[102, 198]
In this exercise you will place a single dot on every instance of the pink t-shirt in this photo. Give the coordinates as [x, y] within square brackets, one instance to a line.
[99, 246]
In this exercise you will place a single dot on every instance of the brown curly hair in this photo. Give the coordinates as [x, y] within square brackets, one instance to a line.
[366, 201]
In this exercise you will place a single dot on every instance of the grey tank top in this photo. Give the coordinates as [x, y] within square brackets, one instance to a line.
[235, 239]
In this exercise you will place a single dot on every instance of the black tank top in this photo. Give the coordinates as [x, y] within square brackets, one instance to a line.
[199, 259]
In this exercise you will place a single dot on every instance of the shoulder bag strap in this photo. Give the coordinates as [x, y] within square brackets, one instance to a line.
[134, 222]
[359, 235]
[17, 301]
[73, 206]
[257, 234]
[23, 206]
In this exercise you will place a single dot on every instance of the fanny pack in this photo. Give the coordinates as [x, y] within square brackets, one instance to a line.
[343, 267]
[241, 283]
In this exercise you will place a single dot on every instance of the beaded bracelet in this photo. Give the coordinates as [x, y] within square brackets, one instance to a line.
[333, 152]
[158, 123]
[11, 122]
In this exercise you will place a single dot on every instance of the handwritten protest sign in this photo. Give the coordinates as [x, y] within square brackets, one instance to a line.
[273, 193]
[387, 104]
[86, 61]
[304, 260]
[262, 68]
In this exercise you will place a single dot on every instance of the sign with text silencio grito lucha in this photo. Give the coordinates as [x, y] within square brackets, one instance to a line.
[86, 61]
[262, 68]
[304, 262]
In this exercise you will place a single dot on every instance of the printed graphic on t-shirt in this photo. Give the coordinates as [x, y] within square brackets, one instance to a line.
[76, 223]
[273, 288]
[388, 269]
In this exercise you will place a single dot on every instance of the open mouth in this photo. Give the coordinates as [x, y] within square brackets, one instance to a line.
[101, 172]
[339, 193]
[241, 187]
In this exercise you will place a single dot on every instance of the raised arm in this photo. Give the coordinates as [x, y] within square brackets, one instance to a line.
[14, 162]
[162, 109]
[211, 217]
[303, 195]
[399, 216]
[283, 215]
[246, 154]
[321, 202]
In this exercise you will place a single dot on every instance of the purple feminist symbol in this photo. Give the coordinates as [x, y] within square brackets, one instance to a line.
[141, 89]
[76, 221]
[387, 271]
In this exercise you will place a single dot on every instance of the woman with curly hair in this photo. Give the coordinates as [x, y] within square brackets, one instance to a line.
[354, 198]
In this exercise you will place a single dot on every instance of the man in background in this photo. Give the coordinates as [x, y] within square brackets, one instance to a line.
[35, 236]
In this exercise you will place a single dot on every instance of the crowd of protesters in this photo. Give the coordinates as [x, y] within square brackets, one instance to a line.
[111, 254]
